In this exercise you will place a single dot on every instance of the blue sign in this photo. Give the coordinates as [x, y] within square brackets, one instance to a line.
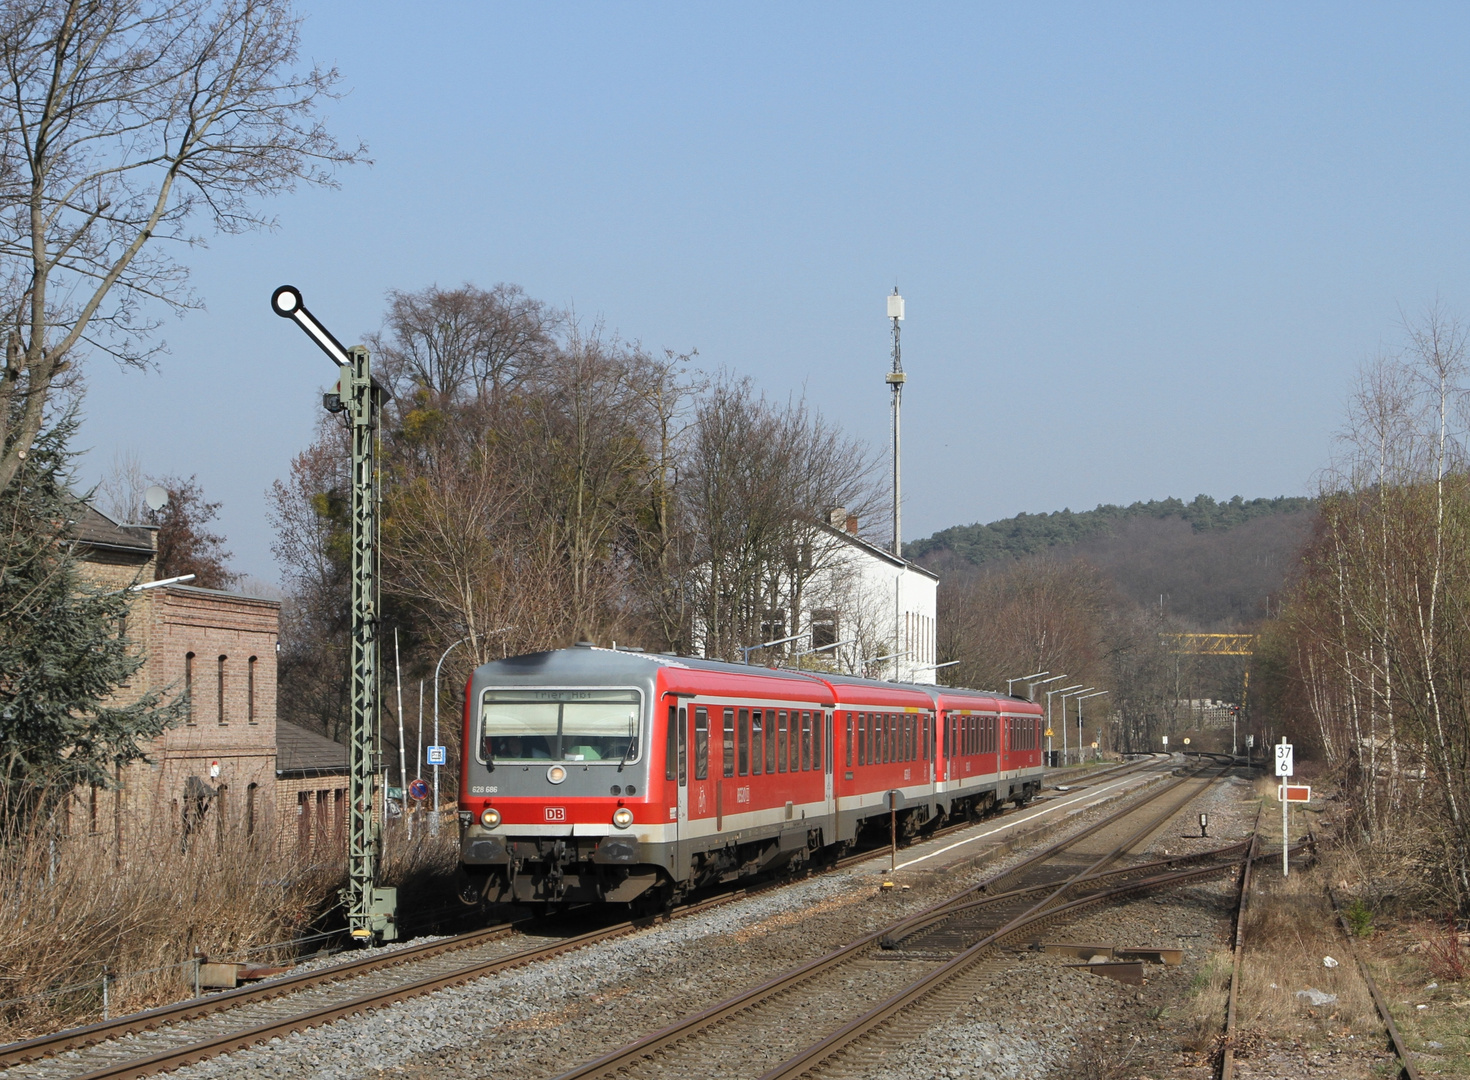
[419, 789]
[437, 756]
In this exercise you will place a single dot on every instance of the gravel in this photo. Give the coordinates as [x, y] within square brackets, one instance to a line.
[541, 1020]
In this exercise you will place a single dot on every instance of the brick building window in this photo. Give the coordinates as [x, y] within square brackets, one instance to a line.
[189, 688]
[221, 681]
[250, 794]
[250, 690]
[303, 819]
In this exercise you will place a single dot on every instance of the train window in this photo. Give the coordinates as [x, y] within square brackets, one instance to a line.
[683, 747]
[770, 741]
[728, 747]
[781, 740]
[850, 736]
[823, 723]
[880, 746]
[671, 745]
[795, 742]
[890, 738]
[948, 723]
[757, 741]
[862, 737]
[745, 742]
[806, 742]
[910, 726]
[701, 744]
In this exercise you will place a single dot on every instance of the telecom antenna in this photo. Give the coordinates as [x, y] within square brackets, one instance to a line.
[372, 911]
[895, 379]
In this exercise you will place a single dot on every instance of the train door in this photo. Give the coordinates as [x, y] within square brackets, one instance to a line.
[700, 790]
[829, 758]
[681, 726]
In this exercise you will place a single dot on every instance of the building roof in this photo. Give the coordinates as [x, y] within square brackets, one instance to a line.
[875, 551]
[305, 753]
[94, 529]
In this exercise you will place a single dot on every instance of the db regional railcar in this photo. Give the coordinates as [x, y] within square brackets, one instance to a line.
[594, 775]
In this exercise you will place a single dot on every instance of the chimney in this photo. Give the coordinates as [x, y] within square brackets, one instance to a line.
[852, 524]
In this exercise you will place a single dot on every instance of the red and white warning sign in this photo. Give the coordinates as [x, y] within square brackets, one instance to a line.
[1294, 793]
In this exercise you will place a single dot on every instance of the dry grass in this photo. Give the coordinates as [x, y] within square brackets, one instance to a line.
[1290, 929]
[75, 909]
[1204, 1021]
[1101, 1058]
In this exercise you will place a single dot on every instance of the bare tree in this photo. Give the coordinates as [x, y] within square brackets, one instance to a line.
[119, 493]
[122, 124]
[463, 343]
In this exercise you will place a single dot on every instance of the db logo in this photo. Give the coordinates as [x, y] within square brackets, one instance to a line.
[556, 813]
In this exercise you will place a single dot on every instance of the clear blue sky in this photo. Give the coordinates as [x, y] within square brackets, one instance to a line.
[1144, 248]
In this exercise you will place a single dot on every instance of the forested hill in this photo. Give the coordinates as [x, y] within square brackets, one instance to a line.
[1027, 534]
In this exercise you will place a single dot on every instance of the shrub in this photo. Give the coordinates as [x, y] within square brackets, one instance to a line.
[1359, 918]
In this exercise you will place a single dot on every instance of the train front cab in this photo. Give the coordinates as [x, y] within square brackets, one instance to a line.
[705, 772]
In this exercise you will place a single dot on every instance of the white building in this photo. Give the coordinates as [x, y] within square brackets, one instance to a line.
[853, 608]
[884, 605]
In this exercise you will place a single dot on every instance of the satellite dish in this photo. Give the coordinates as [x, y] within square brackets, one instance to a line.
[156, 497]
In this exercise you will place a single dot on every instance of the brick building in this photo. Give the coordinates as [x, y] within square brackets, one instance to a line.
[311, 788]
[215, 771]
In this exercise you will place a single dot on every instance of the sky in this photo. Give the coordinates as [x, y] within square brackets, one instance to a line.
[1144, 248]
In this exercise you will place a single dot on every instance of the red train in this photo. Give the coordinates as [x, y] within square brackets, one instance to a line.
[593, 775]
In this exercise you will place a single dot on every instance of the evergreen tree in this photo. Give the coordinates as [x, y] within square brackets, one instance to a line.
[64, 653]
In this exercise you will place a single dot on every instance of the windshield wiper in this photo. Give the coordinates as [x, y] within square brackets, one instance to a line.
[632, 741]
[489, 756]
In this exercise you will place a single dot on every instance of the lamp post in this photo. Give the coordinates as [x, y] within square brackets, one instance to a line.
[1031, 696]
[1081, 698]
[1065, 696]
[1023, 678]
[434, 818]
[1049, 693]
[748, 649]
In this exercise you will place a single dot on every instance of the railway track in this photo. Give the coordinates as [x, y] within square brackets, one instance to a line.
[194, 1030]
[792, 1025]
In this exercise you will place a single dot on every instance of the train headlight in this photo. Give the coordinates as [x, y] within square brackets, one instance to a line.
[490, 817]
[622, 817]
[556, 774]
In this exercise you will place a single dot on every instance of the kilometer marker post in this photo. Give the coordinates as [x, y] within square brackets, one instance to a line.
[1284, 763]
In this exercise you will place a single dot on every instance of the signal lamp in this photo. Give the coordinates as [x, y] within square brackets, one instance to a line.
[490, 817]
[622, 817]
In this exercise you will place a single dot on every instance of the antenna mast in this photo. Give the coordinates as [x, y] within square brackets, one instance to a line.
[895, 379]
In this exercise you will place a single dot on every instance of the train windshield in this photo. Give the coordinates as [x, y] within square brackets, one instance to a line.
[560, 725]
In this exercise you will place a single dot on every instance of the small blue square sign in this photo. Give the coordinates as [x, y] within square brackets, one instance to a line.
[437, 756]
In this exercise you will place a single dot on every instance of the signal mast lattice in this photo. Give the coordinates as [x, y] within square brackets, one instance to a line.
[371, 910]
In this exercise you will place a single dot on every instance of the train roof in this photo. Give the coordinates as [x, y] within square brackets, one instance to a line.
[586, 665]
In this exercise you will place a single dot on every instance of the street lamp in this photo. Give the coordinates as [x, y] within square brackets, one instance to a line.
[434, 818]
[1049, 693]
[1065, 696]
[1023, 678]
[748, 649]
[1031, 696]
[1081, 698]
